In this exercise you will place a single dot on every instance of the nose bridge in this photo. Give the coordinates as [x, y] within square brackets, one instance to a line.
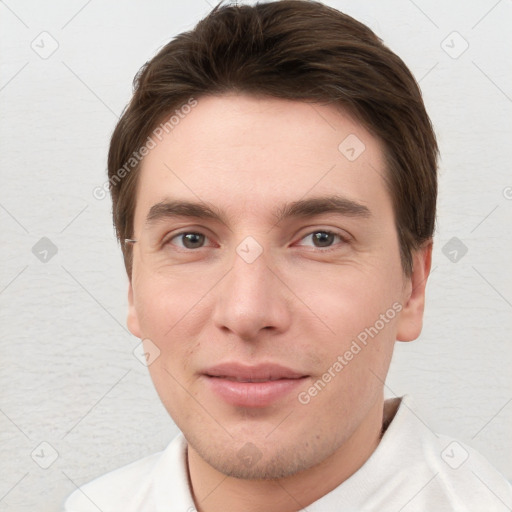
[250, 268]
[250, 298]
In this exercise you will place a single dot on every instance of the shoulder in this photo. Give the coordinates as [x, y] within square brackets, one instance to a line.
[126, 488]
[466, 479]
[455, 475]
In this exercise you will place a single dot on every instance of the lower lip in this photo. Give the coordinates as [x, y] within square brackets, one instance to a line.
[253, 394]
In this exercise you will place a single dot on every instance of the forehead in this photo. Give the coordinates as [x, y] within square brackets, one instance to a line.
[249, 155]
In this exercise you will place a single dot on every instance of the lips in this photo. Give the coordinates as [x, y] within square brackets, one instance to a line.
[261, 372]
[244, 379]
[252, 386]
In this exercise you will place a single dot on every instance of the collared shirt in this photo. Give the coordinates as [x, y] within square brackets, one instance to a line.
[412, 469]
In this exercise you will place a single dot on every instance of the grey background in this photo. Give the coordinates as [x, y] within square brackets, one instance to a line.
[68, 375]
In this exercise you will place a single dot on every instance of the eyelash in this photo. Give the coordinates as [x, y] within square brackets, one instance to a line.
[342, 238]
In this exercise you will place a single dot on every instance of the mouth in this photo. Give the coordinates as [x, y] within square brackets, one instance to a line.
[244, 379]
[252, 386]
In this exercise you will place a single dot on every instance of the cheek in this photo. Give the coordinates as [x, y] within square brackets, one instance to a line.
[359, 312]
[168, 311]
[165, 304]
[350, 298]
[167, 318]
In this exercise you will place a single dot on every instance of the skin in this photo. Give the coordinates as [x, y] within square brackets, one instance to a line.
[295, 305]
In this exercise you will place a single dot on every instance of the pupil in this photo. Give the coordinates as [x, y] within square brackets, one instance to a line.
[323, 238]
[191, 239]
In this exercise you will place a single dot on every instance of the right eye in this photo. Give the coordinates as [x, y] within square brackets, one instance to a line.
[189, 240]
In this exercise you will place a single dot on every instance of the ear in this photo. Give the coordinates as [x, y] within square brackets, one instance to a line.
[411, 316]
[132, 320]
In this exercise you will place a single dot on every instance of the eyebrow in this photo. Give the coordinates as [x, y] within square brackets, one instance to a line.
[302, 208]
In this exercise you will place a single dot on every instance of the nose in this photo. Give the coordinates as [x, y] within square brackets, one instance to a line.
[252, 298]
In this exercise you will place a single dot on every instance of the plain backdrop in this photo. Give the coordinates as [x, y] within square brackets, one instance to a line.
[74, 398]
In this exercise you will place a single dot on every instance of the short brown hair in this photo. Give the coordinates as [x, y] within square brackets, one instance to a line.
[290, 49]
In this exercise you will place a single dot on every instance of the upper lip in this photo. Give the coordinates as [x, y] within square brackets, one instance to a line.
[246, 373]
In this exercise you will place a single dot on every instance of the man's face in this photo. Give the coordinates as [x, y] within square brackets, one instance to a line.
[250, 298]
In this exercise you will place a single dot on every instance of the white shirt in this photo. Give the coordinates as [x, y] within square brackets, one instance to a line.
[412, 469]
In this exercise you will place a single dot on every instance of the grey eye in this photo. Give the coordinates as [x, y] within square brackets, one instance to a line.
[190, 240]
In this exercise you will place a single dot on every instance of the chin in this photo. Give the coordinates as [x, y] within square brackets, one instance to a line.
[245, 460]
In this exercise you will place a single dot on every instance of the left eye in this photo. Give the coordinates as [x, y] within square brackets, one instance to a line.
[323, 238]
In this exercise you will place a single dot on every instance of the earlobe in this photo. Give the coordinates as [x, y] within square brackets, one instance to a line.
[132, 320]
[411, 316]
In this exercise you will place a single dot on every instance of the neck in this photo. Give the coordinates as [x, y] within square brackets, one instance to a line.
[215, 491]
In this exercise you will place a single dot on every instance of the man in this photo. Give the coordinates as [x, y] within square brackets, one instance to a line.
[274, 191]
